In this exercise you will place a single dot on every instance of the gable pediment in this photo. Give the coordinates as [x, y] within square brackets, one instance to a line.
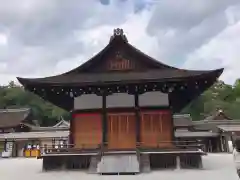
[120, 61]
[119, 55]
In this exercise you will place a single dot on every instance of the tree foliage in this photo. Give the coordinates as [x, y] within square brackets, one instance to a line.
[219, 96]
[14, 96]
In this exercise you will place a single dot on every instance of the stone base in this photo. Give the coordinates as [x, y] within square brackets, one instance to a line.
[146, 162]
[119, 164]
[175, 161]
[66, 162]
[190, 161]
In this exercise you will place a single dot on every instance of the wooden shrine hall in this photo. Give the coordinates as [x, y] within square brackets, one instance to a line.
[122, 101]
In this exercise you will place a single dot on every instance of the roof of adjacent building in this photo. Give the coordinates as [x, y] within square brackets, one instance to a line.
[62, 123]
[34, 135]
[47, 129]
[13, 117]
[230, 128]
[187, 134]
[219, 115]
[213, 124]
[182, 120]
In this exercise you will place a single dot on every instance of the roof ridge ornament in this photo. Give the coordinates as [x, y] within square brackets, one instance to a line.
[118, 33]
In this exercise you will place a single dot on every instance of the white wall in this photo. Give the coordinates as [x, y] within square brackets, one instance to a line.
[92, 101]
[153, 99]
[88, 101]
[120, 100]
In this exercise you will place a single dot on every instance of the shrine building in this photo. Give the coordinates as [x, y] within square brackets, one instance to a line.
[122, 103]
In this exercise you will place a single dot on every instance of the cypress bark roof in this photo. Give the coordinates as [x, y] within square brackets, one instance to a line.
[119, 63]
[94, 70]
[119, 77]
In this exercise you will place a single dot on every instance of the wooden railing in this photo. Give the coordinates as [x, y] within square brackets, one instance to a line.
[100, 149]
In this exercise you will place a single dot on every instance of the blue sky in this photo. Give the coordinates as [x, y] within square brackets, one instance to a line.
[42, 38]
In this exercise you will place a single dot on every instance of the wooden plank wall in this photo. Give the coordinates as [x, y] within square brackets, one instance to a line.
[156, 129]
[87, 130]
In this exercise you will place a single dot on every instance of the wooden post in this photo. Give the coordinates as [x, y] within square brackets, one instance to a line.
[5, 145]
[71, 141]
[173, 127]
[138, 118]
[104, 118]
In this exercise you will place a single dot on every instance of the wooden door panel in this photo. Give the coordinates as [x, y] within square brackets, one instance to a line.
[121, 131]
[112, 131]
[156, 129]
[87, 130]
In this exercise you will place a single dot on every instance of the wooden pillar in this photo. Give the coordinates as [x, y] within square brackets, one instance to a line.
[173, 127]
[5, 145]
[138, 118]
[71, 142]
[104, 118]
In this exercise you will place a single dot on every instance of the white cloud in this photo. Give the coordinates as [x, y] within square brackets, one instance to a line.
[221, 51]
[47, 37]
[3, 39]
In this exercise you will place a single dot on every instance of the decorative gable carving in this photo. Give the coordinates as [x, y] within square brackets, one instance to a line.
[119, 63]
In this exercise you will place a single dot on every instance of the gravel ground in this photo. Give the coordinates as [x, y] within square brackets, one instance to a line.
[216, 167]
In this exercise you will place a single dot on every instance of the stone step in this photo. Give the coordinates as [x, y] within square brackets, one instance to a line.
[145, 163]
[93, 165]
[118, 164]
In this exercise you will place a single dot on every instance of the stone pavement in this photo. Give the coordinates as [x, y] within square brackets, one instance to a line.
[217, 167]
